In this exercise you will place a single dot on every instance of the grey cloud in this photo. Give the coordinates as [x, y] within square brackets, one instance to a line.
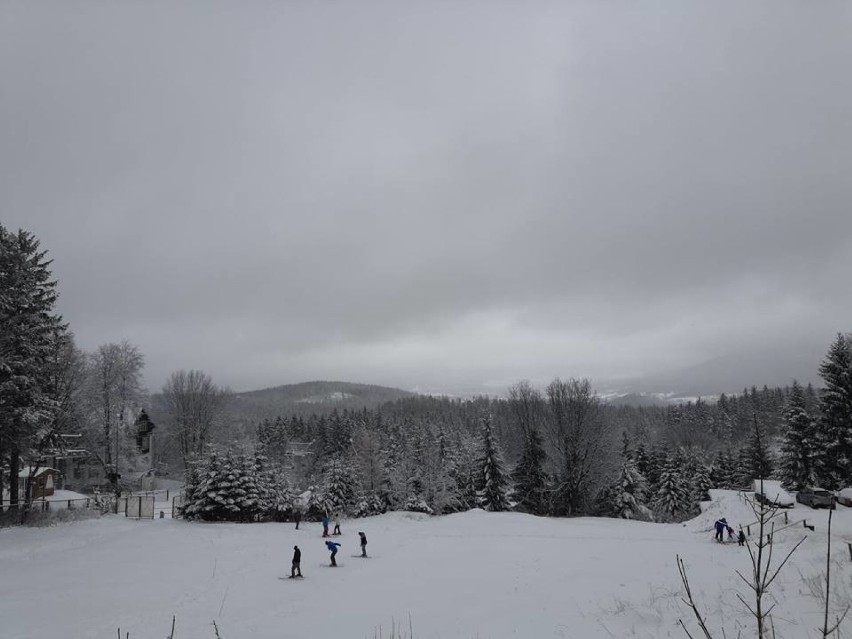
[413, 194]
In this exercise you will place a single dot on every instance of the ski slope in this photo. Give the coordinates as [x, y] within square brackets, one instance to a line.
[473, 574]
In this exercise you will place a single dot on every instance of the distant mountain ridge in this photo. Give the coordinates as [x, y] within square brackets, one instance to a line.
[306, 398]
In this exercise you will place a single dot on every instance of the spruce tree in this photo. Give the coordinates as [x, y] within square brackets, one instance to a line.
[671, 500]
[835, 424]
[724, 472]
[626, 494]
[340, 490]
[796, 463]
[755, 459]
[529, 477]
[31, 334]
[493, 482]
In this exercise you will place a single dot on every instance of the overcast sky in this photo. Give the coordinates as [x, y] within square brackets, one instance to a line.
[435, 195]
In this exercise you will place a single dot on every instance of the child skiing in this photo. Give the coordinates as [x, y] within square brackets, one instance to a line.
[297, 517]
[741, 538]
[363, 544]
[332, 546]
[730, 533]
[325, 522]
[336, 525]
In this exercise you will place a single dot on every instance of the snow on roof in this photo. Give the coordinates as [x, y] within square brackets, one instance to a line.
[26, 471]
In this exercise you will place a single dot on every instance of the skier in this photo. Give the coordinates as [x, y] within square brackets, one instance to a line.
[730, 532]
[325, 522]
[332, 546]
[741, 537]
[297, 563]
[336, 525]
[297, 517]
[363, 544]
[720, 529]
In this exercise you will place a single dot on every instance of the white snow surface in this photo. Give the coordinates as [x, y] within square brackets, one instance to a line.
[473, 574]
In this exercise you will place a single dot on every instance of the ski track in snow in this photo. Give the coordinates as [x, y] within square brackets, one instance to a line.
[467, 575]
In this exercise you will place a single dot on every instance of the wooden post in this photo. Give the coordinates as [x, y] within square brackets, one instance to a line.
[850, 551]
[167, 494]
[785, 517]
[69, 504]
[748, 530]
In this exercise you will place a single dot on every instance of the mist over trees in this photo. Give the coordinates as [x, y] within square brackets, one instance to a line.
[560, 450]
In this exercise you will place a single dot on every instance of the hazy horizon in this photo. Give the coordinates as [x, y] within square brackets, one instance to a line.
[437, 195]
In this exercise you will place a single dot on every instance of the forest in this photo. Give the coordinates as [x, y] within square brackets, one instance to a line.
[559, 451]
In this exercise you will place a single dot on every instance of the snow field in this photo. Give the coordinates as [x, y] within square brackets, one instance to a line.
[468, 575]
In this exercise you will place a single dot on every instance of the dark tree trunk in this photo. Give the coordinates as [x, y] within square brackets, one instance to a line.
[14, 463]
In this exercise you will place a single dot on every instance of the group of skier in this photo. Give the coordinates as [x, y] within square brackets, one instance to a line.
[332, 546]
[721, 526]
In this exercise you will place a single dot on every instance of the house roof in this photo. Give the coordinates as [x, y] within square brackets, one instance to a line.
[26, 470]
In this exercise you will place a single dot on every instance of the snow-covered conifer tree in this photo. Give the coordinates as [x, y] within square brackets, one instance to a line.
[626, 494]
[671, 500]
[796, 462]
[340, 489]
[835, 423]
[530, 493]
[493, 481]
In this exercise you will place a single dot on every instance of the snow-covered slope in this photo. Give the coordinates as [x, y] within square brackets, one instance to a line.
[468, 575]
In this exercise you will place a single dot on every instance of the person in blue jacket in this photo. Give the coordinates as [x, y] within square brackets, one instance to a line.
[332, 546]
[325, 522]
[720, 526]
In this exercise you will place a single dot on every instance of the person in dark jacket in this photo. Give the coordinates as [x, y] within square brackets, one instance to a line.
[297, 563]
[332, 546]
[325, 522]
[741, 538]
[297, 517]
[720, 526]
[363, 544]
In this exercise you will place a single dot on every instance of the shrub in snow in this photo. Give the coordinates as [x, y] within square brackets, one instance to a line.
[229, 488]
[370, 505]
[417, 505]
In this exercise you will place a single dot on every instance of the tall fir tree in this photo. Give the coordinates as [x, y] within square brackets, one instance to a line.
[340, 489]
[755, 459]
[31, 334]
[493, 482]
[798, 450]
[671, 500]
[834, 467]
[530, 479]
[626, 494]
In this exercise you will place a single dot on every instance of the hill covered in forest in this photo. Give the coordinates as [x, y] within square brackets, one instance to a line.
[308, 398]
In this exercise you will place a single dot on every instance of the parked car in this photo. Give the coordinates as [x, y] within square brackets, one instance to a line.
[772, 494]
[815, 497]
[844, 497]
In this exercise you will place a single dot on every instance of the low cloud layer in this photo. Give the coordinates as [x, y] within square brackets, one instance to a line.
[435, 195]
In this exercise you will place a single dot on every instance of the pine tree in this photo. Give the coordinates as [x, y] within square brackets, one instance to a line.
[755, 459]
[493, 482]
[340, 490]
[218, 491]
[701, 484]
[31, 334]
[671, 500]
[724, 472]
[796, 463]
[835, 424]
[530, 494]
[626, 494]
